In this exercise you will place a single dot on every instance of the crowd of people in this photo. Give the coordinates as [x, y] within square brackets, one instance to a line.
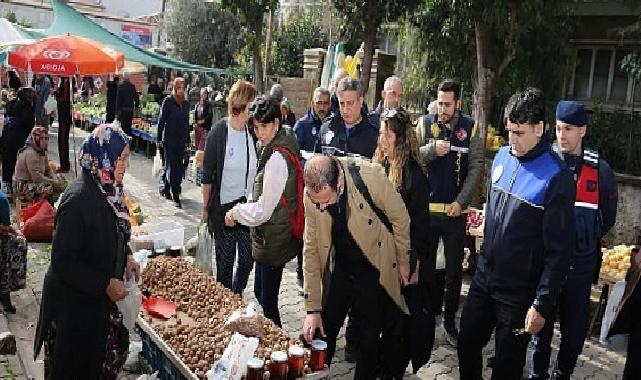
[382, 195]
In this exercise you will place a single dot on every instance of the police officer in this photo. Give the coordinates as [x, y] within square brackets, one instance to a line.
[528, 240]
[454, 155]
[595, 211]
[349, 130]
[307, 127]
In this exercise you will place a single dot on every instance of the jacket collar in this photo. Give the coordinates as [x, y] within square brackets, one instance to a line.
[540, 148]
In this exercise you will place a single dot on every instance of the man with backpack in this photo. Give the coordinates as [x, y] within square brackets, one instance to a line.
[355, 260]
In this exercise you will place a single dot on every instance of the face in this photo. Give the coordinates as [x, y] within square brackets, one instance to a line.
[122, 163]
[387, 141]
[320, 104]
[523, 137]
[324, 198]
[392, 96]
[204, 95]
[283, 110]
[179, 88]
[569, 136]
[44, 142]
[265, 131]
[446, 105]
[350, 106]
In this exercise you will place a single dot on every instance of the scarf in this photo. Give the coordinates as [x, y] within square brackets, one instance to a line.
[33, 141]
[98, 157]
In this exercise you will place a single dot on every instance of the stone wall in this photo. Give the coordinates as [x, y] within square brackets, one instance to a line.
[628, 224]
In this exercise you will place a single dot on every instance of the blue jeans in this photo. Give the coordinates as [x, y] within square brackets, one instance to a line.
[266, 288]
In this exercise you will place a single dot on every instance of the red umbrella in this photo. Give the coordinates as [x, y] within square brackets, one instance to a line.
[66, 55]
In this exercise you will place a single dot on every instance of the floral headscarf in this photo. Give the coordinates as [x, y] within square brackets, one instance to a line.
[33, 141]
[98, 156]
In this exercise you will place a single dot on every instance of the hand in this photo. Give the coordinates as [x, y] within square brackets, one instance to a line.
[312, 322]
[404, 273]
[7, 230]
[132, 269]
[453, 209]
[229, 219]
[533, 321]
[442, 147]
[116, 290]
[204, 214]
[414, 278]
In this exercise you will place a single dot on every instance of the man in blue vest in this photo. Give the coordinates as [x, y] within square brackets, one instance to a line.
[307, 127]
[454, 155]
[528, 243]
[595, 210]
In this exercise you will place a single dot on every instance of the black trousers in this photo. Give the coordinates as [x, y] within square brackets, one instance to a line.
[632, 368]
[358, 288]
[482, 315]
[452, 231]
[125, 116]
[226, 243]
[63, 144]
[266, 288]
[174, 170]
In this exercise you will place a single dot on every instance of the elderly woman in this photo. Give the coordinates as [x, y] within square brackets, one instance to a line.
[273, 244]
[33, 178]
[79, 324]
[287, 116]
[204, 115]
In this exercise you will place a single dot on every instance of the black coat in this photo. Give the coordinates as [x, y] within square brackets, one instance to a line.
[22, 114]
[88, 250]
[112, 97]
[127, 96]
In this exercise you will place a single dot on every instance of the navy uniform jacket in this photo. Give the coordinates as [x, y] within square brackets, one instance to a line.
[173, 126]
[362, 138]
[375, 116]
[307, 130]
[529, 229]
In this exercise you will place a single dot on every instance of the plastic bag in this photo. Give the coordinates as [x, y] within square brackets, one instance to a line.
[130, 305]
[233, 364]
[246, 321]
[440, 255]
[31, 210]
[610, 311]
[204, 249]
[39, 227]
[156, 170]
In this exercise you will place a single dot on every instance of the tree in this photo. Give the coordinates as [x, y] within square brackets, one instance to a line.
[252, 14]
[304, 32]
[365, 18]
[492, 46]
[204, 33]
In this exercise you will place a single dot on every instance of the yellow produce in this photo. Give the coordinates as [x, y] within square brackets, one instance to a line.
[616, 261]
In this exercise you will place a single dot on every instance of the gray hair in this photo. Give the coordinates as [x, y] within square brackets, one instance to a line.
[389, 82]
[277, 93]
[321, 171]
[350, 84]
[320, 90]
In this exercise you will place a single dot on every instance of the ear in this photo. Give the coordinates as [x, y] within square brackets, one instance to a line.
[582, 131]
[539, 129]
[382, 94]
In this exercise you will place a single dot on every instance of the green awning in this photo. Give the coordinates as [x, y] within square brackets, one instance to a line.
[67, 20]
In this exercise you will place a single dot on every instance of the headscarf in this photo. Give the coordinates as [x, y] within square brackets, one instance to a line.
[98, 157]
[180, 99]
[33, 141]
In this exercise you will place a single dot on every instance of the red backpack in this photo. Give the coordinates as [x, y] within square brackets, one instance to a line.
[297, 221]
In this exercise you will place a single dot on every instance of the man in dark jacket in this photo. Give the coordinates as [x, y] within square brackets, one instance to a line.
[391, 98]
[308, 126]
[127, 101]
[173, 137]
[350, 131]
[595, 209]
[112, 95]
[528, 242]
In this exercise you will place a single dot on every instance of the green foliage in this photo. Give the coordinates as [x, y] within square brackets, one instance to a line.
[204, 33]
[631, 65]
[24, 22]
[289, 43]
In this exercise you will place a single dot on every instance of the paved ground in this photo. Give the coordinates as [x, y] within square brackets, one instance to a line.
[596, 362]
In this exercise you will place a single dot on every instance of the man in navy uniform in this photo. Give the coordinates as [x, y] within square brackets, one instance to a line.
[307, 127]
[528, 243]
[454, 155]
[595, 210]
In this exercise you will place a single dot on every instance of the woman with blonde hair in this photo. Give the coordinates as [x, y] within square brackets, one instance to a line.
[229, 168]
[398, 152]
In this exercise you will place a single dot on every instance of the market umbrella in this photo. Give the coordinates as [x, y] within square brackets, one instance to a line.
[67, 55]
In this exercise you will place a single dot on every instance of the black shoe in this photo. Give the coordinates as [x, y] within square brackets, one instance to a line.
[5, 300]
[451, 333]
[178, 204]
[165, 193]
[350, 353]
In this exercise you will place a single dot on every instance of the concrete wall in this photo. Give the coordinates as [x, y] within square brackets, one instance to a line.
[628, 224]
[298, 91]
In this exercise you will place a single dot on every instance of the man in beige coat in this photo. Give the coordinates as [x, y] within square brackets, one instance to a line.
[352, 259]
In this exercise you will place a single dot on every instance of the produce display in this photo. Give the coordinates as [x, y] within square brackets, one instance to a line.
[148, 106]
[197, 334]
[616, 262]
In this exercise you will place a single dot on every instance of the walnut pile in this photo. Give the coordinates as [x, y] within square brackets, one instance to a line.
[196, 334]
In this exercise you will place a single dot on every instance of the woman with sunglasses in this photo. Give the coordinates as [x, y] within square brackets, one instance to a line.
[398, 152]
[274, 198]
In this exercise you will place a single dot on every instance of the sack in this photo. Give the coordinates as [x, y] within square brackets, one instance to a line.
[39, 228]
[156, 170]
[610, 311]
[246, 321]
[233, 364]
[129, 306]
[204, 249]
[297, 221]
[31, 210]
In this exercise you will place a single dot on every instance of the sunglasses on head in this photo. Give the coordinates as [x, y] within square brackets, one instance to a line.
[260, 105]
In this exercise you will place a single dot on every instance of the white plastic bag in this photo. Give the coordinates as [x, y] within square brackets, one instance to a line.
[610, 311]
[130, 305]
[204, 249]
[233, 364]
[156, 170]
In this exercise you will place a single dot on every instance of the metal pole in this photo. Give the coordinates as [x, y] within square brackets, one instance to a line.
[73, 124]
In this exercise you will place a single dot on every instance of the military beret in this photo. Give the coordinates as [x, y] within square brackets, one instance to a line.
[571, 112]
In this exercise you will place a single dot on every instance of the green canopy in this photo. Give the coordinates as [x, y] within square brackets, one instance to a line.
[67, 20]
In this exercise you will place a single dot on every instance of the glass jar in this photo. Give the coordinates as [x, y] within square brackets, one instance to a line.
[295, 362]
[255, 369]
[278, 366]
[318, 355]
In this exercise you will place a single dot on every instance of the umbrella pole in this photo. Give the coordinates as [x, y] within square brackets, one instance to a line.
[73, 125]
